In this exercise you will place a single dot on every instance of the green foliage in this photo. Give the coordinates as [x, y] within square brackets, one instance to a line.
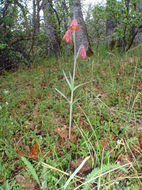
[108, 112]
[31, 169]
[35, 110]
[127, 19]
[11, 48]
[98, 171]
[17, 43]
[3, 46]
[124, 16]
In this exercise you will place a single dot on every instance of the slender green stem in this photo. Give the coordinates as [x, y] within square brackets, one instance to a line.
[72, 91]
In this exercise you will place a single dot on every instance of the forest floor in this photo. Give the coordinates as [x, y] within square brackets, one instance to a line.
[106, 140]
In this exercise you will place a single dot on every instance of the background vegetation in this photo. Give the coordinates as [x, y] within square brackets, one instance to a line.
[104, 151]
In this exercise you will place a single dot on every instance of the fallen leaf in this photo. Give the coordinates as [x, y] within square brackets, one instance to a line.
[122, 67]
[23, 106]
[105, 143]
[139, 86]
[74, 138]
[30, 186]
[0, 98]
[48, 96]
[27, 185]
[57, 119]
[140, 140]
[64, 133]
[34, 151]
[104, 95]
[16, 79]
[131, 60]
[85, 169]
[34, 113]
[20, 152]
[20, 179]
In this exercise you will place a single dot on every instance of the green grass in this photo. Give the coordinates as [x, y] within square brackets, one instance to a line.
[108, 111]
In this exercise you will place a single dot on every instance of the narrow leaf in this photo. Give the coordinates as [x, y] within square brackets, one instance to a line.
[6, 185]
[67, 79]
[76, 100]
[71, 79]
[62, 95]
[81, 85]
[31, 169]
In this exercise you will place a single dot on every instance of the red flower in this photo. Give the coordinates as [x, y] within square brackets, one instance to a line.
[82, 52]
[67, 36]
[74, 25]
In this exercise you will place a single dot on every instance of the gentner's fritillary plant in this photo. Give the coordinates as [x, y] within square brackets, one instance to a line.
[71, 80]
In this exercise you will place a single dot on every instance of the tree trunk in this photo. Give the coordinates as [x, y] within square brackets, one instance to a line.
[81, 35]
[139, 6]
[65, 14]
[53, 47]
[37, 18]
[111, 22]
[138, 38]
[34, 17]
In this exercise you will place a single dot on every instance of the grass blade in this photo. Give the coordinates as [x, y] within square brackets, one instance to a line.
[75, 172]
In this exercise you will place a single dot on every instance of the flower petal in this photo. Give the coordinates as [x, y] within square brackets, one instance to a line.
[67, 36]
[74, 25]
[82, 52]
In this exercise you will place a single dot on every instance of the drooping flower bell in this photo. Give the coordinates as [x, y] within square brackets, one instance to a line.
[82, 52]
[74, 25]
[67, 36]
